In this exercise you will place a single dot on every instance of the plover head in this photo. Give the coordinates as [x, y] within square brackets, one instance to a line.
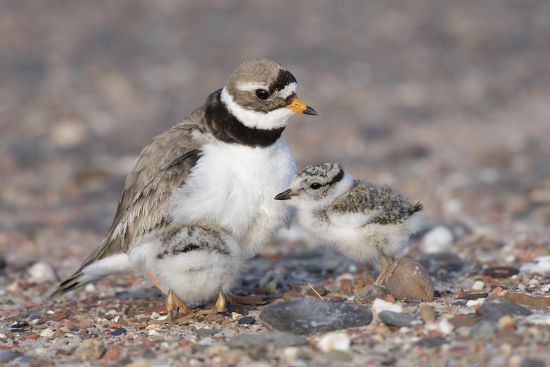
[262, 95]
[317, 185]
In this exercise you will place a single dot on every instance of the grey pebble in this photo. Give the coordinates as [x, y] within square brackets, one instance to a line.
[432, 342]
[398, 319]
[276, 338]
[369, 294]
[483, 329]
[246, 320]
[495, 308]
[309, 315]
[532, 362]
[9, 355]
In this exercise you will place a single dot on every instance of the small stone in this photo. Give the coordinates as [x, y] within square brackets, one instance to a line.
[538, 319]
[368, 294]
[19, 326]
[531, 362]
[380, 305]
[334, 341]
[138, 363]
[438, 239]
[276, 338]
[462, 321]
[47, 333]
[338, 356]
[309, 315]
[525, 299]
[478, 285]
[363, 281]
[475, 302]
[119, 331]
[506, 321]
[445, 327]
[397, 319]
[42, 272]
[483, 329]
[427, 313]
[501, 271]
[246, 320]
[112, 354]
[473, 296]
[432, 342]
[497, 307]
[9, 355]
[90, 350]
[540, 265]
[409, 281]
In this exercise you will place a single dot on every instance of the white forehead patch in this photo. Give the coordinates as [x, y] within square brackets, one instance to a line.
[248, 86]
[288, 90]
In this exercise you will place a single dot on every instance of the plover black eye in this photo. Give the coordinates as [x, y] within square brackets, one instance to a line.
[315, 185]
[262, 93]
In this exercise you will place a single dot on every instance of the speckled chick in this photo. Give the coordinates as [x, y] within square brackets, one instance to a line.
[363, 220]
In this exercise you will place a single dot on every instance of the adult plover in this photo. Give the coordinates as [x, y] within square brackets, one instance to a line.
[362, 220]
[223, 164]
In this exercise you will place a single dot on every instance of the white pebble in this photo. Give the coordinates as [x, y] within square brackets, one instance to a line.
[42, 272]
[438, 239]
[540, 265]
[475, 302]
[538, 319]
[478, 285]
[90, 287]
[47, 333]
[445, 327]
[380, 305]
[334, 341]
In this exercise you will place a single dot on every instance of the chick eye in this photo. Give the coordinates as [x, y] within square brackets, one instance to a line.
[262, 93]
[315, 185]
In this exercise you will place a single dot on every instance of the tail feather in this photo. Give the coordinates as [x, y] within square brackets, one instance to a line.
[416, 207]
[71, 283]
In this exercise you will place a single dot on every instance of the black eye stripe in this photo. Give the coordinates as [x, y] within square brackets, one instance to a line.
[284, 78]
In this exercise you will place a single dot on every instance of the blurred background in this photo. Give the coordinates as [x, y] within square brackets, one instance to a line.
[448, 101]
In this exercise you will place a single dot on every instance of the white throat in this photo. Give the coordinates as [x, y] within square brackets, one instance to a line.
[254, 119]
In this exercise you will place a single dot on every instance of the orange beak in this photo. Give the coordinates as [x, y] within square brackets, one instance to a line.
[297, 106]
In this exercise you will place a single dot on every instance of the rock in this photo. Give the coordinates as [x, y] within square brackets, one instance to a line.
[276, 338]
[309, 315]
[119, 331]
[42, 272]
[497, 307]
[8, 355]
[432, 342]
[525, 299]
[540, 265]
[538, 319]
[409, 281]
[427, 313]
[473, 296]
[334, 341]
[47, 333]
[338, 356]
[139, 363]
[380, 305]
[398, 319]
[438, 239]
[90, 350]
[369, 294]
[246, 320]
[112, 354]
[445, 327]
[501, 271]
[478, 285]
[483, 329]
[19, 326]
[531, 362]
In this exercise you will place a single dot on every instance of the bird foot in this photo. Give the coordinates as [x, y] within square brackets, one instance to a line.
[174, 305]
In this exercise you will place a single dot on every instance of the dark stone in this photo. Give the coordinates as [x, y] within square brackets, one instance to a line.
[9, 355]
[433, 342]
[398, 319]
[119, 331]
[442, 265]
[19, 326]
[532, 362]
[483, 329]
[470, 296]
[495, 308]
[309, 315]
[501, 271]
[276, 338]
[149, 354]
[247, 320]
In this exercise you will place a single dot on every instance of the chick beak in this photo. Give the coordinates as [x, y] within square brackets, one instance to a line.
[285, 195]
[298, 106]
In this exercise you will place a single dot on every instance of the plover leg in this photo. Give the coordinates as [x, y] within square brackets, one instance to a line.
[385, 262]
[175, 304]
[220, 303]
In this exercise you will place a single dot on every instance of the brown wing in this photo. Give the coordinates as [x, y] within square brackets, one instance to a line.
[161, 168]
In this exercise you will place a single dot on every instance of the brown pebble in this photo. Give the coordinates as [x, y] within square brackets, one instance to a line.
[90, 350]
[525, 299]
[346, 286]
[427, 313]
[409, 281]
[112, 354]
[501, 271]
[459, 321]
[55, 317]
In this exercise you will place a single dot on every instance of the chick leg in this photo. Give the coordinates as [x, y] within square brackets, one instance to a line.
[173, 302]
[220, 303]
[385, 262]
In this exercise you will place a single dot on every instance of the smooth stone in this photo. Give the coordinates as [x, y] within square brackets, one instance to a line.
[369, 294]
[42, 272]
[501, 271]
[9, 355]
[494, 309]
[531, 362]
[409, 281]
[90, 350]
[338, 356]
[528, 300]
[483, 329]
[398, 319]
[276, 338]
[459, 321]
[246, 320]
[427, 313]
[432, 342]
[310, 315]
[119, 331]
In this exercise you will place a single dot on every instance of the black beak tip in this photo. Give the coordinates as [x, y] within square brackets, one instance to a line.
[285, 195]
[310, 111]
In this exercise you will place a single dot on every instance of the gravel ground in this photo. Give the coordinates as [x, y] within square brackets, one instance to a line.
[446, 101]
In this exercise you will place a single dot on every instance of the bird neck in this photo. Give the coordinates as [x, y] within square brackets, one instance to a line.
[229, 129]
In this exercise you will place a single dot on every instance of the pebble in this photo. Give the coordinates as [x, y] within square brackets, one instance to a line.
[431, 342]
[398, 319]
[380, 305]
[531, 362]
[501, 271]
[538, 319]
[427, 313]
[334, 341]
[540, 265]
[119, 331]
[497, 307]
[475, 302]
[19, 326]
[269, 282]
[409, 281]
[478, 285]
[112, 354]
[310, 315]
[90, 350]
[525, 299]
[9, 355]
[369, 293]
[276, 338]
[483, 329]
[47, 333]
[445, 327]
[438, 239]
[461, 321]
[442, 264]
[246, 320]
[42, 272]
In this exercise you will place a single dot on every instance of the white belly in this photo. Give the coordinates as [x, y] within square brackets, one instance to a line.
[234, 186]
